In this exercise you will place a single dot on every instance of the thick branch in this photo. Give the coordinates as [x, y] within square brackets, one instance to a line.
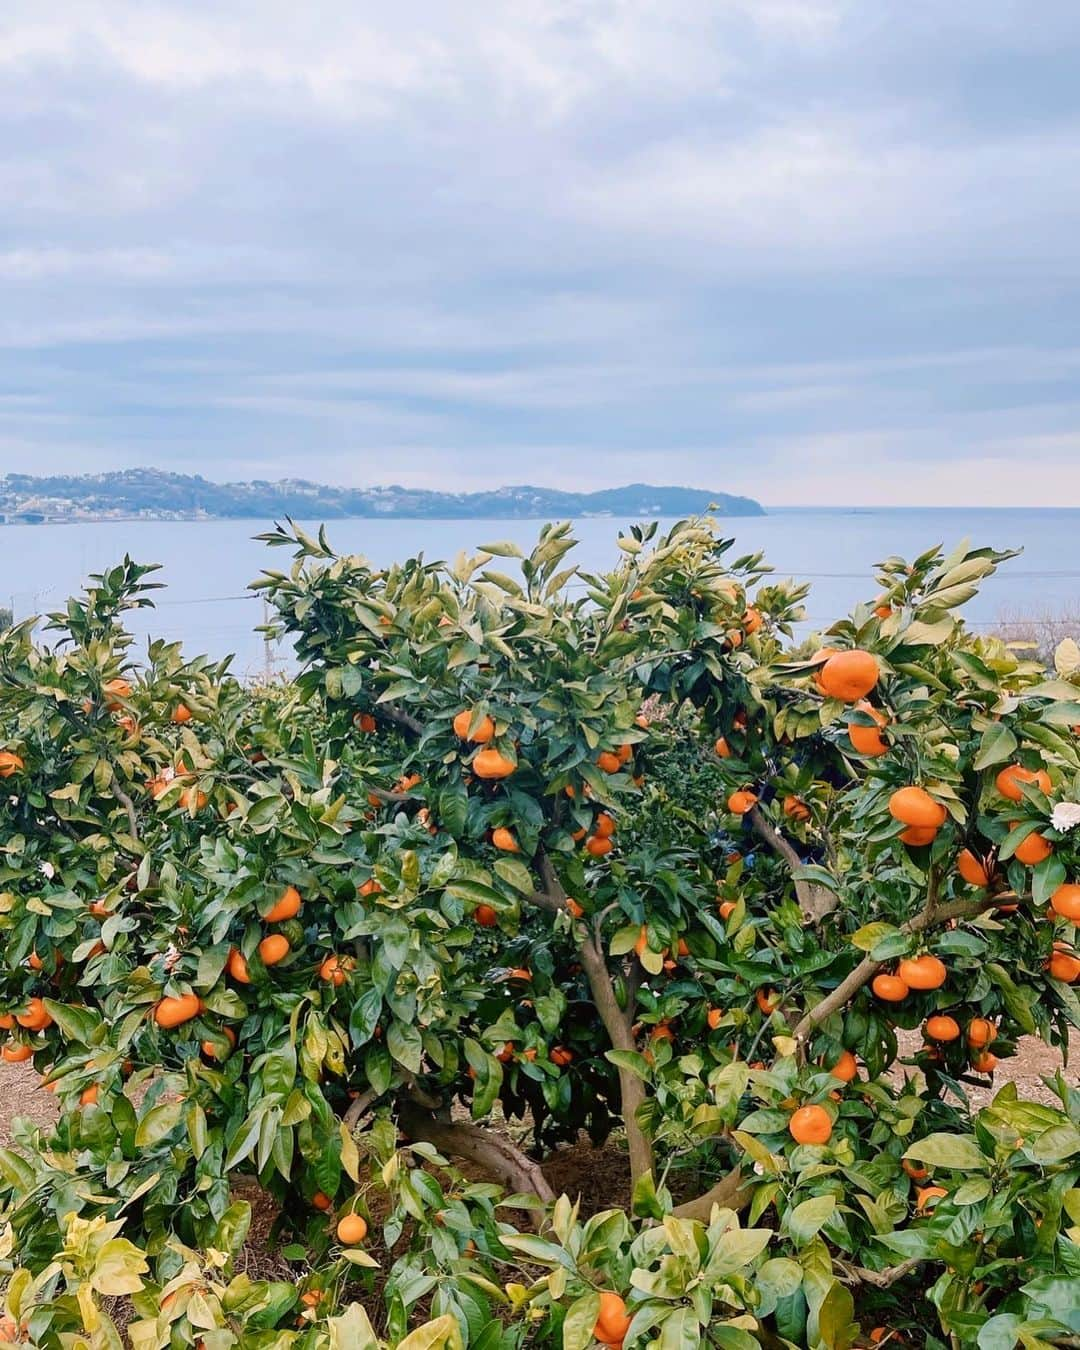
[880, 1279]
[400, 718]
[814, 901]
[129, 806]
[389, 797]
[617, 1021]
[359, 1106]
[493, 1152]
[728, 1193]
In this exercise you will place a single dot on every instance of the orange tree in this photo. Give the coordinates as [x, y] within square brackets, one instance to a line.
[584, 851]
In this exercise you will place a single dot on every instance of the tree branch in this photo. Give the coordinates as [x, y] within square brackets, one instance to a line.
[400, 718]
[932, 914]
[616, 1021]
[493, 1152]
[814, 901]
[389, 797]
[129, 806]
[359, 1106]
[880, 1279]
[727, 1193]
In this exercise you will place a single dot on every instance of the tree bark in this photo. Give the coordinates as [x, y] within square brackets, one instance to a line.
[493, 1152]
[617, 1021]
[727, 1193]
[815, 902]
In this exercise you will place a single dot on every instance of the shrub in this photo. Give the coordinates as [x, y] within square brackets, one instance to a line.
[483, 861]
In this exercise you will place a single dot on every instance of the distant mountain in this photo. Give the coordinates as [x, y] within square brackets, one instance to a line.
[158, 495]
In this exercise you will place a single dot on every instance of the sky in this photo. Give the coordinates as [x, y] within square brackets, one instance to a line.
[815, 251]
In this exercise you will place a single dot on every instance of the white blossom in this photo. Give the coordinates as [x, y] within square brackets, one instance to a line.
[1065, 816]
[172, 956]
[47, 870]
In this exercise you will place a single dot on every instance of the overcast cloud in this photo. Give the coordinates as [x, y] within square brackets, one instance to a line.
[811, 250]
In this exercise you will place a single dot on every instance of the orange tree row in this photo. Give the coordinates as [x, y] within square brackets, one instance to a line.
[599, 851]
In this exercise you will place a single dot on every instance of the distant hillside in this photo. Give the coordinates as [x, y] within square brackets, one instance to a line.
[156, 494]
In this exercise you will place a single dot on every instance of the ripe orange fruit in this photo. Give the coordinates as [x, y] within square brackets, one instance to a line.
[752, 621]
[845, 1067]
[333, 971]
[10, 763]
[624, 753]
[364, 722]
[503, 839]
[490, 764]
[727, 909]
[485, 916]
[520, 973]
[352, 1229]
[984, 1062]
[1033, 850]
[1009, 779]
[608, 762]
[741, 801]
[890, 988]
[613, 1321]
[212, 1049]
[174, 1012]
[370, 887]
[118, 688]
[485, 730]
[597, 847]
[916, 1171]
[1063, 965]
[869, 741]
[574, 908]
[320, 1200]
[181, 714]
[36, 1017]
[795, 808]
[604, 825]
[722, 748]
[1066, 901]
[561, 1056]
[768, 1000]
[185, 799]
[286, 907]
[922, 972]
[7, 1021]
[238, 967]
[714, 1018]
[273, 949]
[917, 836]
[848, 676]
[915, 806]
[925, 1194]
[89, 1095]
[980, 1033]
[810, 1125]
[974, 872]
[941, 1027]
[14, 1053]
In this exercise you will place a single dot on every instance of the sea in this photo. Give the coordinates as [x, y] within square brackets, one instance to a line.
[207, 566]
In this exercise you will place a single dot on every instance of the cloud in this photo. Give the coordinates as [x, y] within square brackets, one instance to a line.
[798, 248]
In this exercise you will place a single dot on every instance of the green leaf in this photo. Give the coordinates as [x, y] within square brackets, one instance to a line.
[515, 874]
[158, 1124]
[405, 1044]
[806, 1219]
[579, 1322]
[998, 744]
[958, 1152]
[869, 935]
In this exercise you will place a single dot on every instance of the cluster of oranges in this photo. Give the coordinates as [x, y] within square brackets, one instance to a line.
[275, 946]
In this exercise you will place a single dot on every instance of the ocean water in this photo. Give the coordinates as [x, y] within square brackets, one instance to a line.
[207, 566]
